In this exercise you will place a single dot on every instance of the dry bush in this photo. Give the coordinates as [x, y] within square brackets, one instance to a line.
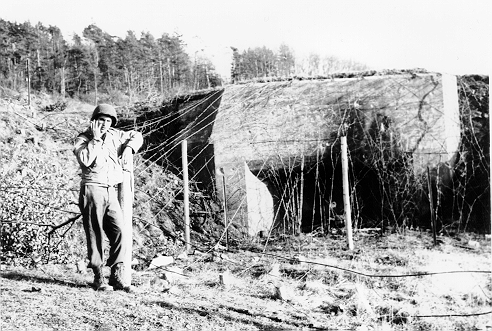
[470, 203]
[159, 213]
[38, 191]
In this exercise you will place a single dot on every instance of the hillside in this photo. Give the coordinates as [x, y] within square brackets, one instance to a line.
[283, 283]
[40, 184]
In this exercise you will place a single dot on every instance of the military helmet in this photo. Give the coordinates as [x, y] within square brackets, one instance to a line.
[105, 109]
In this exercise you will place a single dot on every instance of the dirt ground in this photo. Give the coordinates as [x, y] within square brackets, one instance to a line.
[297, 283]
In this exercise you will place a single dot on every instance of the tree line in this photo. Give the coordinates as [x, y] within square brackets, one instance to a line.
[95, 62]
[98, 61]
[262, 62]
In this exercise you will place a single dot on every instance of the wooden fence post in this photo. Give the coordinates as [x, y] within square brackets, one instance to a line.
[222, 171]
[125, 196]
[346, 193]
[28, 73]
[186, 193]
[431, 205]
[301, 199]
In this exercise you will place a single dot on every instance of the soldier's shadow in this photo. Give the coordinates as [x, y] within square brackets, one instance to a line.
[19, 276]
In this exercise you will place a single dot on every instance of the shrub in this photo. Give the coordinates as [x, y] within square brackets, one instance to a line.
[37, 190]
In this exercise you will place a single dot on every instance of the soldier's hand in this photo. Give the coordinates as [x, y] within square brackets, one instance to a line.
[127, 159]
[96, 129]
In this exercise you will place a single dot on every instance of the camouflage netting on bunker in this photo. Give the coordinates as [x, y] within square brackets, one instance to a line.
[272, 149]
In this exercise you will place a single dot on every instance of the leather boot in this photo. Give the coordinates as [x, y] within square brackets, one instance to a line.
[99, 280]
[116, 277]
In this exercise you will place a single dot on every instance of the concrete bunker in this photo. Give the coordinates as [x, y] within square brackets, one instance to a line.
[287, 134]
[277, 146]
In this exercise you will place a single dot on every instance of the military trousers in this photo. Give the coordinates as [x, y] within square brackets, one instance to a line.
[102, 215]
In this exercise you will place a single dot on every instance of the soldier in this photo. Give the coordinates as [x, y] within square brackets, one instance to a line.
[103, 153]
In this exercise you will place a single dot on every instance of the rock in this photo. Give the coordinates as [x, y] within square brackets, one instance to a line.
[281, 292]
[362, 302]
[272, 276]
[158, 284]
[50, 268]
[173, 290]
[474, 244]
[275, 272]
[219, 247]
[226, 278]
[81, 267]
[34, 140]
[401, 316]
[226, 257]
[132, 289]
[315, 286]
[161, 261]
[33, 289]
[199, 253]
[333, 307]
[299, 259]
[183, 256]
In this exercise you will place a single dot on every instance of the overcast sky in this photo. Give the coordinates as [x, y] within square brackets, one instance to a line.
[446, 36]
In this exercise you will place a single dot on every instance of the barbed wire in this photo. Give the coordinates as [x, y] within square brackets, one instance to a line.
[453, 315]
[182, 113]
[172, 141]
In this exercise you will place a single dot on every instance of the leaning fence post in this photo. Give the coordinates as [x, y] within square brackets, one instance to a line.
[431, 205]
[186, 193]
[224, 204]
[346, 193]
[125, 197]
[28, 73]
[301, 198]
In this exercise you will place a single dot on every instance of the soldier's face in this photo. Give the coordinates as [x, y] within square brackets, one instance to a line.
[104, 123]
